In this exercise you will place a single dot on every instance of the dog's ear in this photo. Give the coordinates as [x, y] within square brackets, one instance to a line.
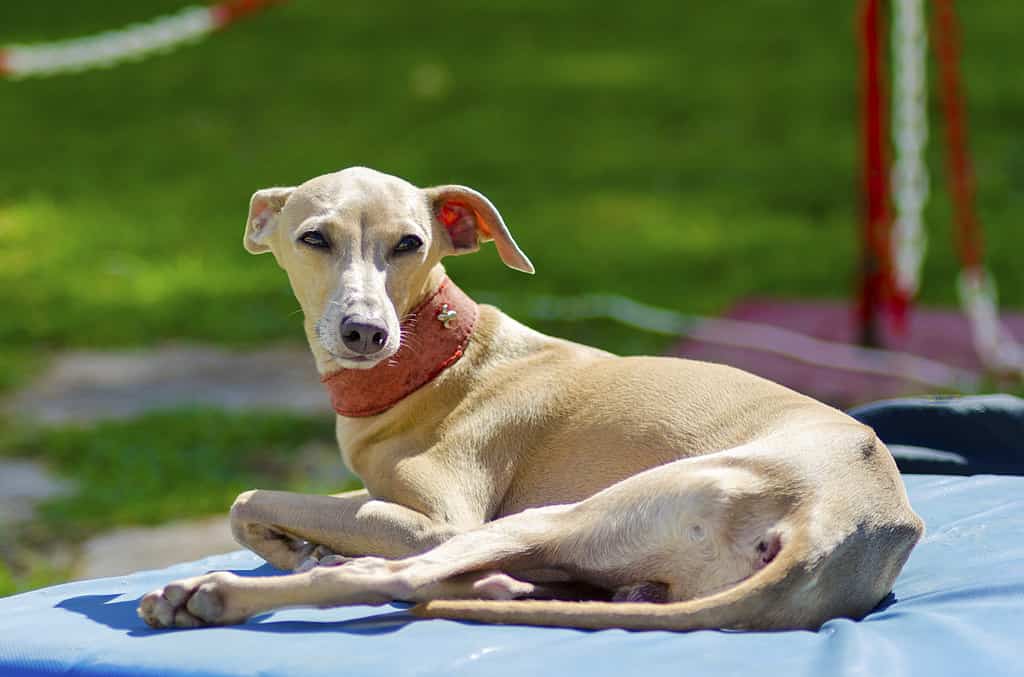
[264, 208]
[469, 218]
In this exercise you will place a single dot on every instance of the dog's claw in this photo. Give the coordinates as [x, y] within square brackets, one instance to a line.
[499, 586]
[321, 551]
[306, 565]
[334, 560]
[156, 611]
[322, 556]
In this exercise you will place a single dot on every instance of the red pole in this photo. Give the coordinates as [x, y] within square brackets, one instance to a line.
[958, 160]
[875, 261]
[226, 12]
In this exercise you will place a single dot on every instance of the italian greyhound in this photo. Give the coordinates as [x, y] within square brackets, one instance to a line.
[514, 477]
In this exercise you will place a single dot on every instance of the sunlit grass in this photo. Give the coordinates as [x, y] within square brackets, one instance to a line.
[684, 155]
[157, 468]
[164, 466]
[37, 574]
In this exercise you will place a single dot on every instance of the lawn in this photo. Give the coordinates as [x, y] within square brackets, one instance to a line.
[686, 155]
[157, 468]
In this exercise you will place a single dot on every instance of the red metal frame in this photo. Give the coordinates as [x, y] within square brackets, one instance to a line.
[876, 255]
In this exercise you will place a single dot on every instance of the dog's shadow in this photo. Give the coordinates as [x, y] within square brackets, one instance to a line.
[122, 616]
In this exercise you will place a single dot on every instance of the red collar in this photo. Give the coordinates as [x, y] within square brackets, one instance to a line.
[434, 337]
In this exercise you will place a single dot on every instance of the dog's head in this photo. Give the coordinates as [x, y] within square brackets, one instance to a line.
[361, 248]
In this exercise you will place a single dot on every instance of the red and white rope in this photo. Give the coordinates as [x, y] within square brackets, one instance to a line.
[125, 44]
[894, 245]
[996, 346]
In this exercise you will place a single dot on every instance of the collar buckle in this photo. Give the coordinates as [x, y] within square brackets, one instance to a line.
[447, 316]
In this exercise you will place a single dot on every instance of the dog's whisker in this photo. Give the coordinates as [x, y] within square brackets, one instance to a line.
[408, 338]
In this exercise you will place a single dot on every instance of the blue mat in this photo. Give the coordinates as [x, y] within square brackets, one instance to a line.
[957, 608]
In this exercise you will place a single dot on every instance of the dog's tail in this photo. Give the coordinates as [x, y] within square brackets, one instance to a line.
[799, 589]
[752, 603]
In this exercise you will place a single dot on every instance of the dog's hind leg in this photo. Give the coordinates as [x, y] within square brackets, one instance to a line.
[747, 538]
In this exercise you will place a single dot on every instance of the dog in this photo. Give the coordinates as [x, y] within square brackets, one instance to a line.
[513, 477]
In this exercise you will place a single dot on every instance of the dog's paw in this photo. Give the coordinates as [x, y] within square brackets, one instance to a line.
[499, 586]
[192, 603]
[321, 556]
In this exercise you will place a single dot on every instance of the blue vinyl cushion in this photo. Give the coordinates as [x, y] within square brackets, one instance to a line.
[981, 434]
[957, 609]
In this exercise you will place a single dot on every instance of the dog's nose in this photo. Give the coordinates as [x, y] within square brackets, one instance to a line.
[363, 336]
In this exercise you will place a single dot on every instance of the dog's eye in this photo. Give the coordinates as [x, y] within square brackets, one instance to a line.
[409, 243]
[315, 239]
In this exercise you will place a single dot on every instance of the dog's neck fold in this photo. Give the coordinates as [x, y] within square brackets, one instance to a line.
[435, 335]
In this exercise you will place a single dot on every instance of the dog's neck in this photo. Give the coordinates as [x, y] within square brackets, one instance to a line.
[434, 337]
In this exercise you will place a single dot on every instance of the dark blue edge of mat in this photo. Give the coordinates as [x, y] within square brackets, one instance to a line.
[982, 434]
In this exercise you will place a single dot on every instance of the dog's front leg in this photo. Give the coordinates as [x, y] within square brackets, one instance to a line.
[284, 527]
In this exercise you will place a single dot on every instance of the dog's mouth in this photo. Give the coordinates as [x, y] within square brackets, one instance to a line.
[360, 361]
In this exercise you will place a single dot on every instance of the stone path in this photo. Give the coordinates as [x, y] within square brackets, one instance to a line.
[139, 548]
[23, 484]
[83, 386]
[91, 385]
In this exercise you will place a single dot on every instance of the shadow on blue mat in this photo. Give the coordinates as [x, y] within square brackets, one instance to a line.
[123, 616]
[116, 615]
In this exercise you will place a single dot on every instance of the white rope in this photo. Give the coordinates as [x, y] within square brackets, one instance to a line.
[754, 336]
[996, 346]
[105, 49]
[129, 43]
[910, 138]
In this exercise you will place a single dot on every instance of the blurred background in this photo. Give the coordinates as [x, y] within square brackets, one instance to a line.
[686, 156]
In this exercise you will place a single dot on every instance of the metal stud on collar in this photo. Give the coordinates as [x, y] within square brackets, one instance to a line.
[446, 316]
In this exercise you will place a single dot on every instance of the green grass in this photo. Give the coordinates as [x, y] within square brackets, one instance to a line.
[165, 466]
[156, 468]
[37, 574]
[684, 155]
[17, 364]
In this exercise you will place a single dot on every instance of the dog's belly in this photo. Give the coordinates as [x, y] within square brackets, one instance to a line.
[622, 416]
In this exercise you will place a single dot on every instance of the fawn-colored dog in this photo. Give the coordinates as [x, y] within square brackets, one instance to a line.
[500, 463]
